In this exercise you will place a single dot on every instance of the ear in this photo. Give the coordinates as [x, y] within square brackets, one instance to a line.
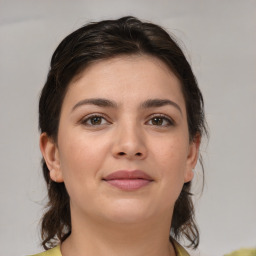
[193, 154]
[50, 153]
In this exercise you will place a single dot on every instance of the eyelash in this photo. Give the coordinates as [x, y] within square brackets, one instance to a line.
[169, 120]
[85, 120]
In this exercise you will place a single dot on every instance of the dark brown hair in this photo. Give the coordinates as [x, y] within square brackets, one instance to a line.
[98, 41]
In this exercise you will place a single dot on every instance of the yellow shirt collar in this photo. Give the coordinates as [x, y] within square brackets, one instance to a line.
[180, 251]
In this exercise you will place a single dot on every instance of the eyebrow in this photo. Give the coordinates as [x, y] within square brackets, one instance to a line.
[150, 103]
[96, 101]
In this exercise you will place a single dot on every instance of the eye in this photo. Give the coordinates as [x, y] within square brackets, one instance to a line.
[160, 120]
[94, 120]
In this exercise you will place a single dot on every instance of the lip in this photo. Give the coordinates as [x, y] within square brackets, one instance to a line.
[128, 180]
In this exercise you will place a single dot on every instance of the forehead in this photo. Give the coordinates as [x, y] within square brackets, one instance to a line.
[126, 79]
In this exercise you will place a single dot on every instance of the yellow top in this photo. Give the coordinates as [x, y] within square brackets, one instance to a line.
[52, 252]
[243, 252]
[180, 251]
[56, 251]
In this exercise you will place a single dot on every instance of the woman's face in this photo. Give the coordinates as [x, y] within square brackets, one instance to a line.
[123, 147]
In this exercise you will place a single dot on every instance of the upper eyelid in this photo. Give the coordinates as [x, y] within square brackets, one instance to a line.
[162, 116]
[93, 115]
[87, 117]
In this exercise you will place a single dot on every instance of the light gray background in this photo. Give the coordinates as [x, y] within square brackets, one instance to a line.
[219, 38]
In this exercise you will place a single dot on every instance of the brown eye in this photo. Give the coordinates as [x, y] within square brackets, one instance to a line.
[157, 121]
[94, 121]
[160, 121]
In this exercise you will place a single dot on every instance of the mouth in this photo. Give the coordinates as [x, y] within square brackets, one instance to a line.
[128, 180]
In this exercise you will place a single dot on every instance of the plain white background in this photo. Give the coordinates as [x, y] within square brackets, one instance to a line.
[219, 39]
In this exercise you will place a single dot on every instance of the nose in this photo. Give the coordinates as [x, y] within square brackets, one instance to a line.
[129, 143]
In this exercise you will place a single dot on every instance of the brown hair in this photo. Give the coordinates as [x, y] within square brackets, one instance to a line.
[102, 40]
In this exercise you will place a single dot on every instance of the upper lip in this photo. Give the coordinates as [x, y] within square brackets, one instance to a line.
[126, 174]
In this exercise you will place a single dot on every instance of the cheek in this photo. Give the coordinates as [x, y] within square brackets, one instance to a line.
[171, 153]
[80, 164]
[80, 156]
[171, 157]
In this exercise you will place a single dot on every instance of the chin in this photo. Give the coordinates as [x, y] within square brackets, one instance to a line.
[126, 218]
[127, 213]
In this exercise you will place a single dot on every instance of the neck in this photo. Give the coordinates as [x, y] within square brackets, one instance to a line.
[94, 237]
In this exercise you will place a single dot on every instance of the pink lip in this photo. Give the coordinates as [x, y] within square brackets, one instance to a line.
[128, 180]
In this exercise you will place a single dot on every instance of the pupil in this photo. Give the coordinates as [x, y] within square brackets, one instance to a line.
[157, 121]
[96, 120]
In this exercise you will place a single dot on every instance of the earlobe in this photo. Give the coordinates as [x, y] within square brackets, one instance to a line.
[192, 158]
[50, 153]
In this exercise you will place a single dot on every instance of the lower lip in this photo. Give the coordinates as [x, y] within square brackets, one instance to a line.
[128, 184]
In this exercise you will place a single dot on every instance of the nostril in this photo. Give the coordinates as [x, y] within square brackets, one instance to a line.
[123, 153]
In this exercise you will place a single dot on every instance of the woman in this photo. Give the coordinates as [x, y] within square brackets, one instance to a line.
[121, 120]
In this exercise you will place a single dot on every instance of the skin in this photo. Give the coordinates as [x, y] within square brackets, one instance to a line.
[107, 220]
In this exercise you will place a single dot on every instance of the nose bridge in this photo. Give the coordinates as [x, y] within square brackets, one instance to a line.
[129, 139]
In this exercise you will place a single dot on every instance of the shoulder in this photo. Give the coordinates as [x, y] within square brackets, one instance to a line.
[52, 252]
